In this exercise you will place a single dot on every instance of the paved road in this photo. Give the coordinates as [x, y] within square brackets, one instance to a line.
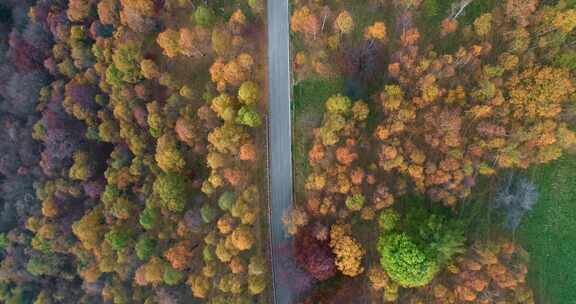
[280, 137]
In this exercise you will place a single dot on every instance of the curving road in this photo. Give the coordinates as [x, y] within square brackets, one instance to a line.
[280, 137]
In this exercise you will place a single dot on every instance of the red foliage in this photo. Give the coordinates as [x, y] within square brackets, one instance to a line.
[314, 255]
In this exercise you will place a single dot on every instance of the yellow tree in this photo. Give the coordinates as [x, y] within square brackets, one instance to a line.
[344, 22]
[348, 251]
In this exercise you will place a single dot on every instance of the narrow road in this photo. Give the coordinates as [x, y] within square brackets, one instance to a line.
[280, 137]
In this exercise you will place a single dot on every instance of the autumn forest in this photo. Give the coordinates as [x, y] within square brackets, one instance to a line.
[433, 152]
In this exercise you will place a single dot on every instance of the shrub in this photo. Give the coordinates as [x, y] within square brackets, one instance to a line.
[405, 262]
[413, 249]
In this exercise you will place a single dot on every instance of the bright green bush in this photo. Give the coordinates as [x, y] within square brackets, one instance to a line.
[405, 262]
[413, 248]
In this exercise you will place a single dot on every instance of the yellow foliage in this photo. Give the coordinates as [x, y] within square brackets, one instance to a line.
[348, 251]
[344, 22]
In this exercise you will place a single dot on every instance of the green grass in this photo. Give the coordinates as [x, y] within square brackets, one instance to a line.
[549, 232]
[307, 109]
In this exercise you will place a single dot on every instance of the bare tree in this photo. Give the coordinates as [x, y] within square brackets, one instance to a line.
[459, 7]
[516, 197]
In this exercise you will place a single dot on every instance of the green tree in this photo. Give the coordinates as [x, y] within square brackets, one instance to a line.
[443, 236]
[249, 116]
[109, 131]
[388, 219]
[405, 262]
[226, 200]
[172, 276]
[172, 188]
[208, 213]
[204, 16]
[118, 238]
[145, 247]
[127, 58]
[355, 202]
[149, 217]
[3, 241]
[45, 264]
[430, 8]
[414, 248]
[168, 156]
[249, 92]
[82, 169]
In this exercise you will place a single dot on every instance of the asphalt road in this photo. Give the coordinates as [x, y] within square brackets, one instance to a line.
[280, 137]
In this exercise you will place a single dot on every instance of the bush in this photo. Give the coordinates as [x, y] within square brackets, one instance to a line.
[45, 264]
[405, 262]
[413, 249]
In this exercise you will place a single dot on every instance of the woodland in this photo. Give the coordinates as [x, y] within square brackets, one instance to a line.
[434, 152]
[433, 141]
[132, 152]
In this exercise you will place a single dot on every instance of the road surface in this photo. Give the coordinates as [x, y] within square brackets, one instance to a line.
[280, 137]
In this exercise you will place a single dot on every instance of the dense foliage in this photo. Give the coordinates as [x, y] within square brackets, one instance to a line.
[414, 249]
[435, 100]
[133, 148]
[128, 127]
